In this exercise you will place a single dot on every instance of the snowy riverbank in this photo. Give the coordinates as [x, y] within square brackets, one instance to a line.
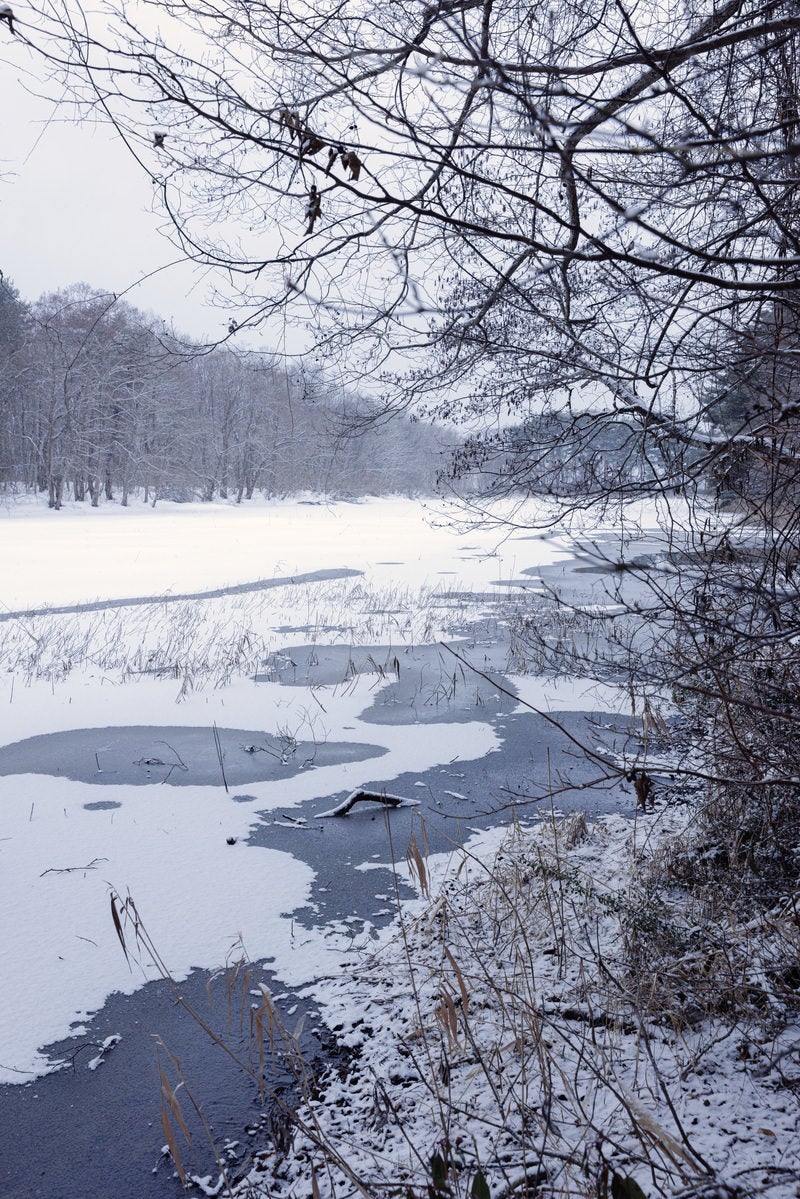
[501, 1046]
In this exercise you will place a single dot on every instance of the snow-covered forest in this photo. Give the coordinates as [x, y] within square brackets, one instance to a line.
[101, 402]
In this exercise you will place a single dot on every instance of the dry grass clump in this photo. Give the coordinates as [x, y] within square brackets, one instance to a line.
[699, 949]
[572, 638]
[206, 642]
[503, 1041]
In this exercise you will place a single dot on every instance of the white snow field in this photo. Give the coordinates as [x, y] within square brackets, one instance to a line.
[80, 553]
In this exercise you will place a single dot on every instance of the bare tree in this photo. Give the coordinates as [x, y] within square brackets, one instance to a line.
[618, 180]
[98, 401]
[14, 462]
[573, 229]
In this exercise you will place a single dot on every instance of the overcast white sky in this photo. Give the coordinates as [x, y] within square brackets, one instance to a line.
[75, 207]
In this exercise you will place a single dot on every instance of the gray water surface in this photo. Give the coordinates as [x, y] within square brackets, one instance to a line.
[200, 756]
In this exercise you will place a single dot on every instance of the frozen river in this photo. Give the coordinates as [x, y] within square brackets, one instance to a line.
[181, 751]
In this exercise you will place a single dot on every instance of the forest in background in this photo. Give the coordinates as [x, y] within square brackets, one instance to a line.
[99, 401]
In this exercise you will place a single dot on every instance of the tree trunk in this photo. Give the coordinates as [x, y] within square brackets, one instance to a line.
[56, 491]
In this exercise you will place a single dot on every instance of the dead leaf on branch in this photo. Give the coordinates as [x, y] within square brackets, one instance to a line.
[310, 143]
[290, 120]
[314, 208]
[353, 163]
[349, 159]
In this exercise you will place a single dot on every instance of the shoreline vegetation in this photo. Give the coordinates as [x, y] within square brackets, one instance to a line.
[503, 1042]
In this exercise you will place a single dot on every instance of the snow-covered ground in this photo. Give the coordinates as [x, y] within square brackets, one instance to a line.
[83, 554]
[500, 1048]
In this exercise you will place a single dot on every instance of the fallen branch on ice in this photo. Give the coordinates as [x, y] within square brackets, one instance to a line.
[388, 801]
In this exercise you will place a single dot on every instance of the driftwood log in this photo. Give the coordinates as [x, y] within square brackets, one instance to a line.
[359, 796]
